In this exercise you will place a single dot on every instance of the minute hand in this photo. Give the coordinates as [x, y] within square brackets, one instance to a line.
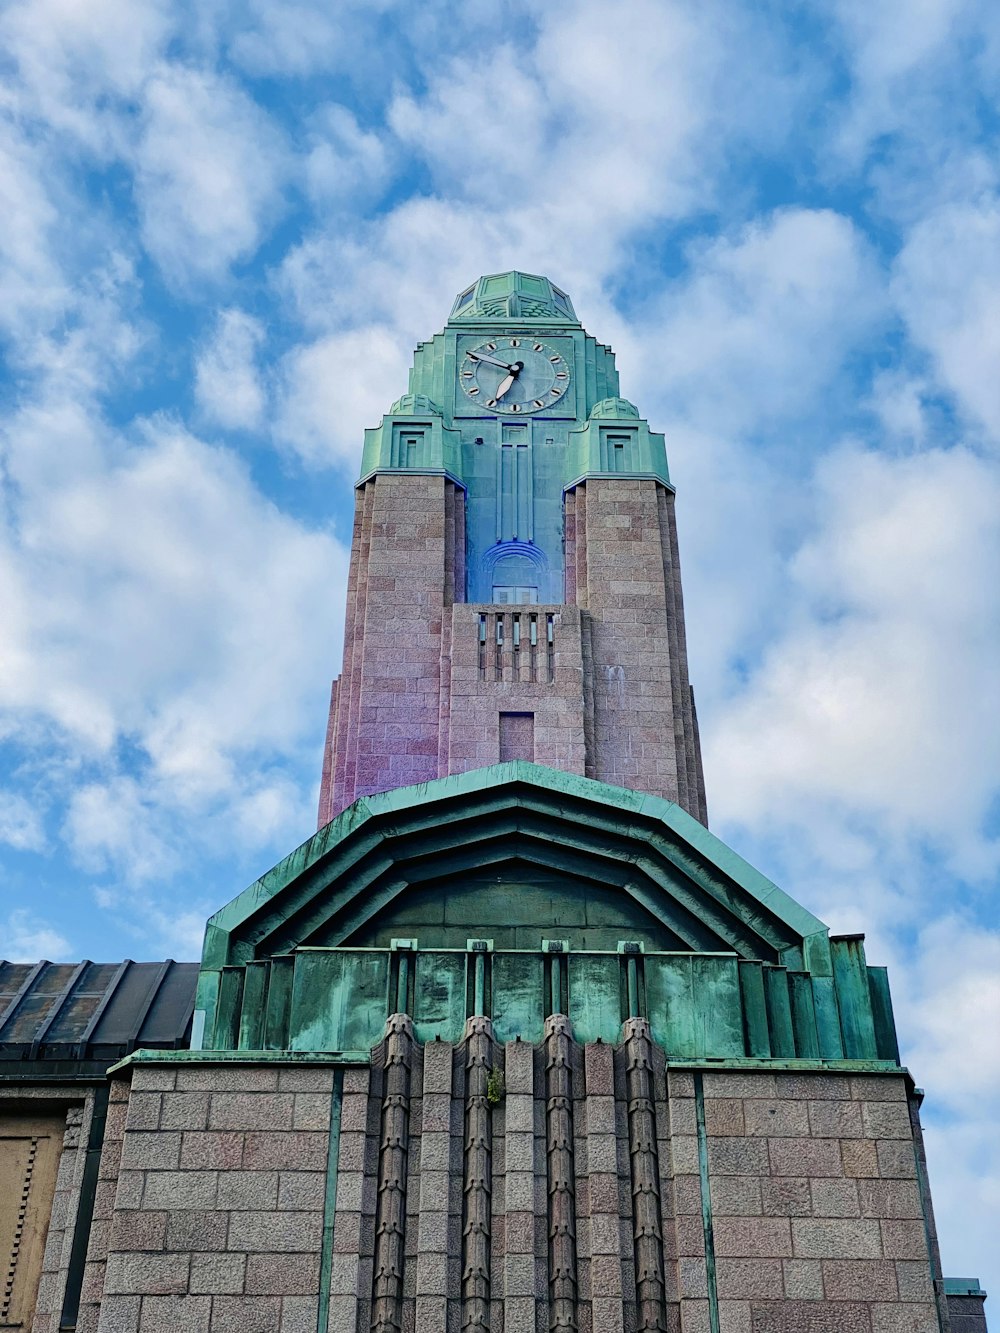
[478, 356]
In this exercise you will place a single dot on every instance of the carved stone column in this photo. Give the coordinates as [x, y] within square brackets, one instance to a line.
[647, 1229]
[559, 1154]
[390, 1219]
[478, 1182]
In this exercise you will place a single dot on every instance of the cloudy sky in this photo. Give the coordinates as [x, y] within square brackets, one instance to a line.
[224, 227]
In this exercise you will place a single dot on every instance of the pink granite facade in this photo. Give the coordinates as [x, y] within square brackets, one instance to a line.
[514, 1187]
[602, 676]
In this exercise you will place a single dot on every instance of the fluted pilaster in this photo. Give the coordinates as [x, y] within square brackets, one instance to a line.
[561, 1187]
[647, 1227]
[478, 1180]
[390, 1220]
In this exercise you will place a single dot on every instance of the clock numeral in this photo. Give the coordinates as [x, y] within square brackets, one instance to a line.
[474, 390]
[538, 402]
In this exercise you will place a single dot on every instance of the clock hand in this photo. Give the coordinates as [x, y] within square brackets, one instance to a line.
[505, 384]
[478, 356]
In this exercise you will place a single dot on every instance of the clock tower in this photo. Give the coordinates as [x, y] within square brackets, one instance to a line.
[514, 588]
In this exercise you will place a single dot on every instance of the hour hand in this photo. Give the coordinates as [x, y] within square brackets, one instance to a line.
[480, 356]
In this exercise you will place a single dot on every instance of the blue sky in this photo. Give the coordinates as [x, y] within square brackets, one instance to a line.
[226, 226]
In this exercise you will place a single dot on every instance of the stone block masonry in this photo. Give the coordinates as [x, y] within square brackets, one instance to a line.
[426, 676]
[215, 1219]
[589, 1190]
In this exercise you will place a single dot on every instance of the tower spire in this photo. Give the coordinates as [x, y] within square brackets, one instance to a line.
[514, 588]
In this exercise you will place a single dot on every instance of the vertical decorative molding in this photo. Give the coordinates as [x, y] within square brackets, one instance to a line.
[330, 1201]
[559, 1154]
[390, 1222]
[706, 1204]
[647, 1229]
[22, 1217]
[478, 1181]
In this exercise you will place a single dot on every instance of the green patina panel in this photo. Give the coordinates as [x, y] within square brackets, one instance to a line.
[850, 975]
[779, 1011]
[227, 1014]
[718, 1015]
[831, 1042]
[522, 902]
[693, 1003]
[205, 1004]
[758, 1035]
[518, 982]
[885, 1024]
[254, 1000]
[595, 996]
[803, 1015]
[439, 990]
[339, 999]
[669, 1004]
[277, 1022]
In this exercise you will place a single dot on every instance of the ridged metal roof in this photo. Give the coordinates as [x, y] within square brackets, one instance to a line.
[93, 1011]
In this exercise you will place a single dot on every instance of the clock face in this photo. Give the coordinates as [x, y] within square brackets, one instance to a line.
[513, 375]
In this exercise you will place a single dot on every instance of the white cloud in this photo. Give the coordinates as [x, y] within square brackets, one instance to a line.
[155, 599]
[345, 164]
[21, 824]
[334, 388]
[764, 322]
[953, 998]
[863, 701]
[947, 283]
[228, 383]
[209, 168]
[24, 938]
[79, 65]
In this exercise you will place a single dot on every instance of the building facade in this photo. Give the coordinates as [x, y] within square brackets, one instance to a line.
[513, 1042]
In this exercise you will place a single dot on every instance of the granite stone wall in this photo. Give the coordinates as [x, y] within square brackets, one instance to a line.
[421, 689]
[623, 571]
[214, 1220]
[510, 1186]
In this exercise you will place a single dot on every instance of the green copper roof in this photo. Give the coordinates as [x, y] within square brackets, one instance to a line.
[648, 909]
[616, 408]
[656, 858]
[517, 295]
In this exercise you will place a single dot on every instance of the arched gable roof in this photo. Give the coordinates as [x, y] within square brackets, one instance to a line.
[648, 849]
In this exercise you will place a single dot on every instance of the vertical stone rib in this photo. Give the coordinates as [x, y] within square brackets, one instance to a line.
[390, 1221]
[559, 1153]
[647, 1230]
[478, 1182]
[679, 691]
